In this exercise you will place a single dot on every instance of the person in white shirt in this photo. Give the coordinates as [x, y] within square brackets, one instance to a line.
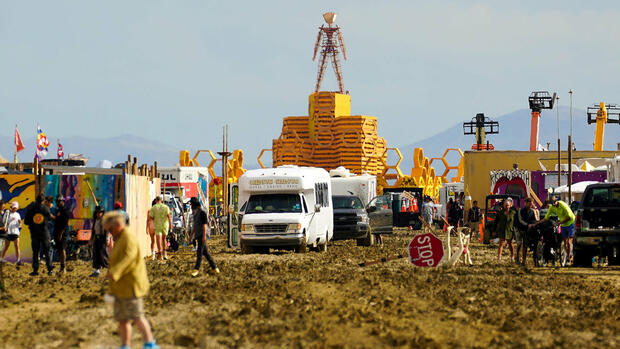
[13, 224]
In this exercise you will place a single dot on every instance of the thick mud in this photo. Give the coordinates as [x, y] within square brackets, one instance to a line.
[325, 300]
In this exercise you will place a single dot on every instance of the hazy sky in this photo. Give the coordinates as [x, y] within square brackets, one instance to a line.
[178, 70]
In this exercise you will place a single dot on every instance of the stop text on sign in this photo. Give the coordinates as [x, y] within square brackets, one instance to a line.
[425, 250]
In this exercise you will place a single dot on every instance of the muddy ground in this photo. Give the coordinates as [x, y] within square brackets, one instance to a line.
[325, 300]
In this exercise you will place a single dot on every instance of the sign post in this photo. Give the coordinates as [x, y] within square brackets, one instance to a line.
[425, 250]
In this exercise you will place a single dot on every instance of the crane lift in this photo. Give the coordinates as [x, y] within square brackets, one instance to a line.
[538, 100]
[481, 126]
[601, 115]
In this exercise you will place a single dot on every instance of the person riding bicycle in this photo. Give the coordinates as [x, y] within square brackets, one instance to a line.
[566, 219]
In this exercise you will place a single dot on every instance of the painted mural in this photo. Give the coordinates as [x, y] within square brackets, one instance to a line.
[76, 189]
[20, 188]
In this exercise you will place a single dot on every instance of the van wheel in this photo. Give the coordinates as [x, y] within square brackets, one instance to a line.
[245, 249]
[303, 247]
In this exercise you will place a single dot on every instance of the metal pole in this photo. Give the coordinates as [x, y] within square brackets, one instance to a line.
[557, 108]
[570, 151]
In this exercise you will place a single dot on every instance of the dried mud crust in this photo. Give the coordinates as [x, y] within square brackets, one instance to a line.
[322, 300]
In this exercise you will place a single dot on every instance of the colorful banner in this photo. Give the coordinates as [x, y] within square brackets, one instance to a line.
[19, 188]
[76, 190]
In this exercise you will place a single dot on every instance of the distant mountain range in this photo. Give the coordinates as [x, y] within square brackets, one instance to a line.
[114, 149]
[514, 133]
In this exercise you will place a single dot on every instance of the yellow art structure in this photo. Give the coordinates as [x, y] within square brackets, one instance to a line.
[422, 174]
[330, 137]
[235, 168]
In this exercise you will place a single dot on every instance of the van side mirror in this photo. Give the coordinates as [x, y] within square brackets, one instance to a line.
[371, 209]
[317, 208]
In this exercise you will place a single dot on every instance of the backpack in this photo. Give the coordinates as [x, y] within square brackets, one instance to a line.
[4, 218]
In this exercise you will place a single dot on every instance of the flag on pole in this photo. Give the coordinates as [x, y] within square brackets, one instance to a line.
[42, 143]
[60, 152]
[19, 145]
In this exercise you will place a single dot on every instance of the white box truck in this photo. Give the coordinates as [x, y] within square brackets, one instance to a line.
[285, 207]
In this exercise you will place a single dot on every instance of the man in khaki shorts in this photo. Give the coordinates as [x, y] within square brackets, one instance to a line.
[128, 281]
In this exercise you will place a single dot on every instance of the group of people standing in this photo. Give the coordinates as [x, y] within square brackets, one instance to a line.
[513, 225]
[45, 223]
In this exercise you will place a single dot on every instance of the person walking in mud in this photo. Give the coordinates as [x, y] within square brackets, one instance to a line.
[13, 226]
[150, 230]
[162, 222]
[427, 210]
[526, 220]
[201, 231]
[504, 225]
[474, 216]
[37, 218]
[61, 229]
[129, 281]
[99, 240]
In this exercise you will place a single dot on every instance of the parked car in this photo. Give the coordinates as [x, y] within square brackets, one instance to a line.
[597, 224]
[351, 220]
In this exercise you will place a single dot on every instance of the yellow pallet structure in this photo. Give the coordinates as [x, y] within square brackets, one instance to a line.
[330, 137]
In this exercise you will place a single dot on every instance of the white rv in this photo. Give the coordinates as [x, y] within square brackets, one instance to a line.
[346, 183]
[285, 207]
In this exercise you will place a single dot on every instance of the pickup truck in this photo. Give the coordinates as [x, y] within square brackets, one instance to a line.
[597, 224]
[351, 220]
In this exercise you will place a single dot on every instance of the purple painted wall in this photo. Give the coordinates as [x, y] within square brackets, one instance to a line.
[542, 180]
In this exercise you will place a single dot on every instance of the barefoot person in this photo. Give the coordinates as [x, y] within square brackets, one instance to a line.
[200, 232]
[150, 230]
[504, 224]
[129, 281]
[13, 225]
[162, 221]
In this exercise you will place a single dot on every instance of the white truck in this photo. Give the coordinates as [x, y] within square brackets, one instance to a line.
[285, 207]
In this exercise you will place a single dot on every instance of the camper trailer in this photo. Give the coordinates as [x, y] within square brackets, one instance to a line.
[285, 207]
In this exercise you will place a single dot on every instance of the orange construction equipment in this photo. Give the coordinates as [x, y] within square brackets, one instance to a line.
[403, 206]
[538, 100]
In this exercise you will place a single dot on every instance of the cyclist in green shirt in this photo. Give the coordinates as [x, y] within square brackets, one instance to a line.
[566, 219]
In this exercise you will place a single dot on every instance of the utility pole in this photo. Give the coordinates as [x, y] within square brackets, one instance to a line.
[570, 150]
[225, 154]
[557, 108]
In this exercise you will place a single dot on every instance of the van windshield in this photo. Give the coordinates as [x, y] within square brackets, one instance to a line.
[272, 203]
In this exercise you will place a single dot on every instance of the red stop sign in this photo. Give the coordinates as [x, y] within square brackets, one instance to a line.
[425, 250]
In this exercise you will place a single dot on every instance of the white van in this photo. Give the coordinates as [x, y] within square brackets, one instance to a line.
[285, 207]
